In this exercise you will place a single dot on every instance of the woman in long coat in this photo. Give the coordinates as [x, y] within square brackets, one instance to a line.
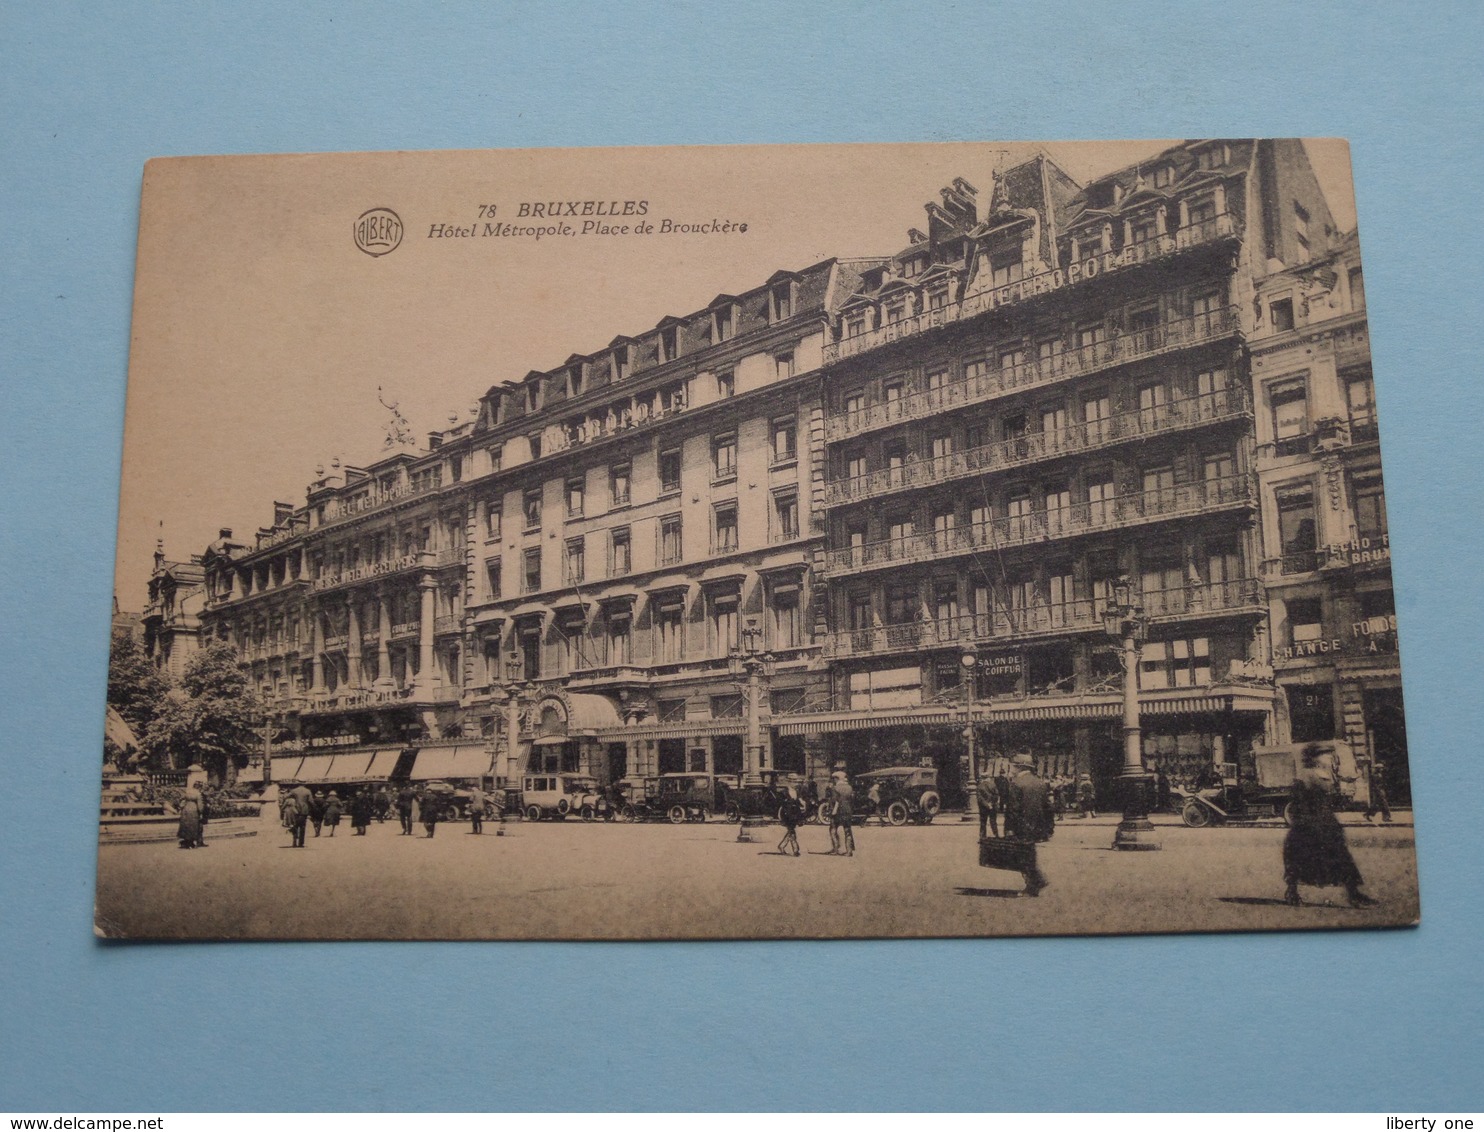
[192, 810]
[332, 811]
[1314, 852]
[360, 811]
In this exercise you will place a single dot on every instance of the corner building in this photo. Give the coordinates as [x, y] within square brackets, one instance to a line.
[865, 468]
[1019, 410]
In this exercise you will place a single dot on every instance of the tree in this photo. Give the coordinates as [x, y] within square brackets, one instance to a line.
[136, 689]
[211, 718]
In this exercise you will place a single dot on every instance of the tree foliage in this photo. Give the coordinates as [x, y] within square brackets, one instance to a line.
[136, 689]
[211, 718]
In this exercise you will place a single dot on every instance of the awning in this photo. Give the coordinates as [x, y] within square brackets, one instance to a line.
[465, 761]
[314, 768]
[683, 729]
[286, 767]
[866, 720]
[348, 766]
[383, 762]
[549, 740]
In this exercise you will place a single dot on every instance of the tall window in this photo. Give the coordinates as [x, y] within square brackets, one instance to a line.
[530, 652]
[1011, 357]
[861, 616]
[1096, 409]
[619, 484]
[786, 516]
[620, 557]
[533, 509]
[724, 325]
[945, 604]
[1290, 405]
[855, 465]
[724, 539]
[1090, 335]
[493, 522]
[941, 445]
[724, 455]
[1357, 290]
[1370, 507]
[576, 492]
[1151, 406]
[903, 605]
[1305, 621]
[1059, 592]
[1053, 420]
[784, 606]
[669, 630]
[1360, 399]
[1159, 488]
[531, 578]
[782, 297]
[670, 470]
[1219, 466]
[943, 527]
[785, 439]
[492, 577]
[1058, 507]
[726, 385]
[1280, 314]
[617, 637]
[899, 531]
[1019, 510]
[670, 545]
[1005, 267]
[724, 623]
[1297, 534]
[576, 562]
[1209, 384]
[784, 365]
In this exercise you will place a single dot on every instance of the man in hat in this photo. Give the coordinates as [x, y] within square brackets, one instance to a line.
[1030, 817]
[842, 814]
[297, 812]
[989, 804]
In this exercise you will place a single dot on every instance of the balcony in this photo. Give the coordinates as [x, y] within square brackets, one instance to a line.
[417, 560]
[1134, 509]
[609, 676]
[446, 624]
[1194, 235]
[1138, 345]
[1140, 424]
[1045, 619]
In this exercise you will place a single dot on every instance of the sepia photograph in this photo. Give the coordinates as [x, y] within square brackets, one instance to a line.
[754, 542]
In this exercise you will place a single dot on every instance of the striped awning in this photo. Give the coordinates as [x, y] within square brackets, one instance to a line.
[348, 766]
[286, 767]
[383, 762]
[463, 761]
[864, 720]
[314, 768]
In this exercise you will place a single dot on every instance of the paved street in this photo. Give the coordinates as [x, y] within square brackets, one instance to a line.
[602, 881]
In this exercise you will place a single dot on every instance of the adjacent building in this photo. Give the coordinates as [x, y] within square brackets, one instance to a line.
[911, 481]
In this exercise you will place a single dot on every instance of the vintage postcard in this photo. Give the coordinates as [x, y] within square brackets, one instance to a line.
[754, 542]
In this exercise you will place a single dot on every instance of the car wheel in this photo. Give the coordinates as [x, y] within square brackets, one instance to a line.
[896, 813]
[1195, 815]
[589, 814]
[1288, 815]
[677, 815]
[533, 813]
[823, 813]
[734, 813]
[563, 806]
[930, 804]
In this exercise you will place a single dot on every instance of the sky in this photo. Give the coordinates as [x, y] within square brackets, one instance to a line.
[263, 339]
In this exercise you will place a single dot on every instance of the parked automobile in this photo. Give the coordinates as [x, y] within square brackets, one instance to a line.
[690, 796]
[1236, 802]
[557, 795]
[898, 794]
[762, 800]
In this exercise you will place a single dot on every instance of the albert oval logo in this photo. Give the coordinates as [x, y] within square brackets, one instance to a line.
[378, 231]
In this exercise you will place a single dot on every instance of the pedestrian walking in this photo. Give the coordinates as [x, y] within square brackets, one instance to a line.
[1087, 797]
[332, 812]
[428, 805]
[988, 796]
[383, 804]
[1030, 818]
[790, 810]
[1314, 850]
[360, 811]
[476, 809]
[1378, 801]
[405, 797]
[192, 808]
[317, 810]
[842, 813]
[1162, 791]
[299, 804]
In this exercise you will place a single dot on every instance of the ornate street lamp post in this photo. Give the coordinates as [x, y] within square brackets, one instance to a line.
[514, 685]
[1124, 620]
[968, 663]
[751, 662]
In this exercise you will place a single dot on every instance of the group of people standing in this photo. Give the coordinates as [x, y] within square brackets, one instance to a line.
[839, 804]
[300, 808]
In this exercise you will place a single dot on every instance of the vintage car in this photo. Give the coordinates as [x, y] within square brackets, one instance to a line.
[690, 796]
[760, 801]
[1227, 800]
[898, 794]
[557, 795]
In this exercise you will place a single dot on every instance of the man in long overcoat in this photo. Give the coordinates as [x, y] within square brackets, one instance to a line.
[298, 812]
[1030, 817]
[989, 804]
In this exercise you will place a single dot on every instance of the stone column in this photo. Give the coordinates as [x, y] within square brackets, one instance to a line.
[353, 644]
[317, 655]
[426, 677]
[384, 641]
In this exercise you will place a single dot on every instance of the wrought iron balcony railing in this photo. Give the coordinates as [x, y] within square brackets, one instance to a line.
[1041, 526]
[1139, 424]
[1138, 345]
[1006, 624]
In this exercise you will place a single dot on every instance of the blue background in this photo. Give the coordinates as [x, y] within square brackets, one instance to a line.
[1373, 1021]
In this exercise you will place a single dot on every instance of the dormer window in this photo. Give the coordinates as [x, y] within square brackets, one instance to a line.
[533, 396]
[574, 380]
[856, 324]
[1201, 211]
[1100, 196]
[1164, 176]
[669, 344]
[781, 301]
[723, 324]
[1213, 157]
[937, 298]
[1141, 230]
[1090, 244]
[620, 362]
[1005, 267]
[913, 266]
[895, 312]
